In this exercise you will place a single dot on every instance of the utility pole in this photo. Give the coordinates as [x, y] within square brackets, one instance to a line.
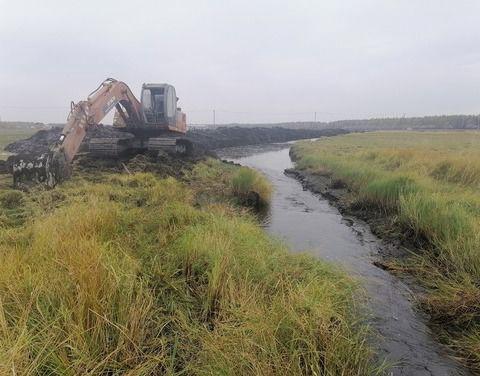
[315, 117]
[214, 118]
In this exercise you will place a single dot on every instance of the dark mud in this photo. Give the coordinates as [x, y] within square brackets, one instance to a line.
[309, 222]
[223, 137]
[204, 141]
[209, 139]
[41, 141]
[164, 165]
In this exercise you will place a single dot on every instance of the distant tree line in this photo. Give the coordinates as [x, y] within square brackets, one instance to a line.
[425, 122]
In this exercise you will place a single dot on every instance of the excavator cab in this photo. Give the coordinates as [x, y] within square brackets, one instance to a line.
[159, 104]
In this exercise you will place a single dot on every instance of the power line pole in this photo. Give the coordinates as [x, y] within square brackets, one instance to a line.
[213, 117]
[315, 117]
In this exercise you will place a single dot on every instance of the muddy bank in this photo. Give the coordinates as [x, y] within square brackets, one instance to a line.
[205, 142]
[237, 136]
[209, 139]
[338, 194]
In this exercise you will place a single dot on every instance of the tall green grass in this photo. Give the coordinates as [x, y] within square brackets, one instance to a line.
[247, 186]
[134, 275]
[247, 182]
[429, 184]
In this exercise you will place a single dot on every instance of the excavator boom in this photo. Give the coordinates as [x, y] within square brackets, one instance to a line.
[91, 112]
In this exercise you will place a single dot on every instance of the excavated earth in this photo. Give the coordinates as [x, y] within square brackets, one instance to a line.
[209, 139]
[237, 136]
[205, 141]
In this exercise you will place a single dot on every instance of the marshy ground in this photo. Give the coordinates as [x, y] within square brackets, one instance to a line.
[421, 188]
[160, 267]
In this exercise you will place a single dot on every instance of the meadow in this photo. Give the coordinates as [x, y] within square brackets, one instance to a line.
[10, 132]
[136, 274]
[426, 185]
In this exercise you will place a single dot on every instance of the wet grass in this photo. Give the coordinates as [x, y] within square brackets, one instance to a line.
[428, 184]
[139, 275]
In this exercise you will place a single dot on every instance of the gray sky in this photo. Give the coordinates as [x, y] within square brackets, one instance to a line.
[253, 61]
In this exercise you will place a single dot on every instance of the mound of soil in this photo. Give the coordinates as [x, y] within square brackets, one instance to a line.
[37, 143]
[223, 137]
[43, 139]
[204, 139]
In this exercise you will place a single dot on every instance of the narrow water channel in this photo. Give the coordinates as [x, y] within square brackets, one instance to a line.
[307, 222]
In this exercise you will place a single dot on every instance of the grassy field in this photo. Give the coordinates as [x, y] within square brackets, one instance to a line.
[134, 274]
[10, 133]
[428, 186]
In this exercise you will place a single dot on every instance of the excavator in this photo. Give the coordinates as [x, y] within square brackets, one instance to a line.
[152, 124]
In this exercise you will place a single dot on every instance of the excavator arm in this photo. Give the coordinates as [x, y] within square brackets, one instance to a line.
[54, 166]
[111, 93]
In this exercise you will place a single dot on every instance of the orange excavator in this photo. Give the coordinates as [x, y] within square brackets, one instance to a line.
[154, 123]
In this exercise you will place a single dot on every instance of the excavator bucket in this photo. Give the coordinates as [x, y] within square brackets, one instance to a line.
[48, 169]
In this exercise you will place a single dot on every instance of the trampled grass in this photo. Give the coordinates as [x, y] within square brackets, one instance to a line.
[139, 275]
[429, 184]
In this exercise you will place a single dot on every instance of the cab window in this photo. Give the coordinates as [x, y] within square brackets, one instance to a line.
[147, 99]
[171, 103]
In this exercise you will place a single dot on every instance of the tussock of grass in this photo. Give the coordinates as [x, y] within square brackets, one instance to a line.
[429, 183]
[131, 276]
[247, 182]
[249, 187]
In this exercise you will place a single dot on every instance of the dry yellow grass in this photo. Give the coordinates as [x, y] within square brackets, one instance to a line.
[131, 276]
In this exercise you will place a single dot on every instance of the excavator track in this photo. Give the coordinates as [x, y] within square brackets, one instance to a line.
[112, 147]
[167, 144]
[175, 145]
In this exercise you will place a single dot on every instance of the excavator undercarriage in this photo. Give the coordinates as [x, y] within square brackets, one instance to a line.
[151, 125]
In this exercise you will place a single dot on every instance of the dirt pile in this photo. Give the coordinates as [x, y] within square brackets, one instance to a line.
[209, 139]
[163, 165]
[205, 141]
[40, 141]
[37, 143]
[238, 136]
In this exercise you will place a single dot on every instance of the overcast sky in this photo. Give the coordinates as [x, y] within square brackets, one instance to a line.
[252, 61]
